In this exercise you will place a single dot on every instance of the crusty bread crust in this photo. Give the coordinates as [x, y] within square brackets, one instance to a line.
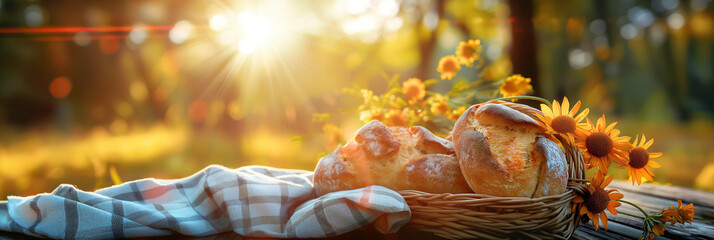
[397, 158]
[501, 115]
[333, 175]
[553, 176]
[434, 173]
[490, 175]
[502, 153]
[428, 143]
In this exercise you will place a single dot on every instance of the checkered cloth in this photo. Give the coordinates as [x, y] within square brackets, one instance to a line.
[252, 201]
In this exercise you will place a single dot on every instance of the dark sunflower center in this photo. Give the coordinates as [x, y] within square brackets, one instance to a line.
[597, 201]
[563, 124]
[599, 144]
[639, 157]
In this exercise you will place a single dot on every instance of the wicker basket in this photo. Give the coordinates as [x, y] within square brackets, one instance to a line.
[469, 215]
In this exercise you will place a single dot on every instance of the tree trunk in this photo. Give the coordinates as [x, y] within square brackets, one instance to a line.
[426, 46]
[523, 44]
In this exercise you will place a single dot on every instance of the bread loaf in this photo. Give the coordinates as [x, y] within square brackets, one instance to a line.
[394, 157]
[502, 152]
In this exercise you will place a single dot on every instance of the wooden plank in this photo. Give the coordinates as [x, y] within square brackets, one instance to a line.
[687, 195]
[653, 198]
[655, 203]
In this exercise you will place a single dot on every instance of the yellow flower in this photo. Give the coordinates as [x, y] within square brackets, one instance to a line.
[457, 113]
[467, 52]
[602, 144]
[395, 117]
[448, 66]
[640, 161]
[669, 215]
[681, 214]
[368, 116]
[686, 212]
[658, 229]
[562, 120]
[597, 200]
[414, 88]
[440, 108]
[515, 85]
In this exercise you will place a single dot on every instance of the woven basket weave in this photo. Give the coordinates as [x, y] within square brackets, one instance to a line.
[469, 215]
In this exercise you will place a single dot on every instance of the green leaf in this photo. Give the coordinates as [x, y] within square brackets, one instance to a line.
[430, 82]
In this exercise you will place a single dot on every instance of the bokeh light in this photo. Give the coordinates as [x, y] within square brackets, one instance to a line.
[181, 32]
[675, 21]
[60, 87]
[218, 22]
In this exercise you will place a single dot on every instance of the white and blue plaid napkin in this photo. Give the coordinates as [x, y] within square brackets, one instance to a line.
[253, 201]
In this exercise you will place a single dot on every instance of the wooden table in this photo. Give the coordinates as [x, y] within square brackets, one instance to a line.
[651, 198]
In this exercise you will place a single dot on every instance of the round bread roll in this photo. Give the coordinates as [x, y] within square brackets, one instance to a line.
[394, 157]
[502, 152]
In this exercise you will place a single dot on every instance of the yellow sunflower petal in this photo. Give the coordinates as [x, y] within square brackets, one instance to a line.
[631, 174]
[606, 182]
[546, 110]
[575, 109]
[601, 124]
[611, 127]
[597, 180]
[556, 108]
[648, 144]
[582, 114]
[653, 164]
[594, 218]
[583, 210]
[655, 155]
[603, 217]
[566, 105]
[648, 176]
[616, 196]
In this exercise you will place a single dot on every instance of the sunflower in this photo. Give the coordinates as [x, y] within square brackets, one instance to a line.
[448, 66]
[440, 108]
[562, 120]
[374, 114]
[456, 113]
[597, 200]
[515, 85]
[602, 144]
[685, 212]
[414, 89]
[669, 215]
[467, 52]
[640, 161]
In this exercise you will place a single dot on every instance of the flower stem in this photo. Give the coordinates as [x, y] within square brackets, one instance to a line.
[527, 97]
[627, 214]
[635, 205]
